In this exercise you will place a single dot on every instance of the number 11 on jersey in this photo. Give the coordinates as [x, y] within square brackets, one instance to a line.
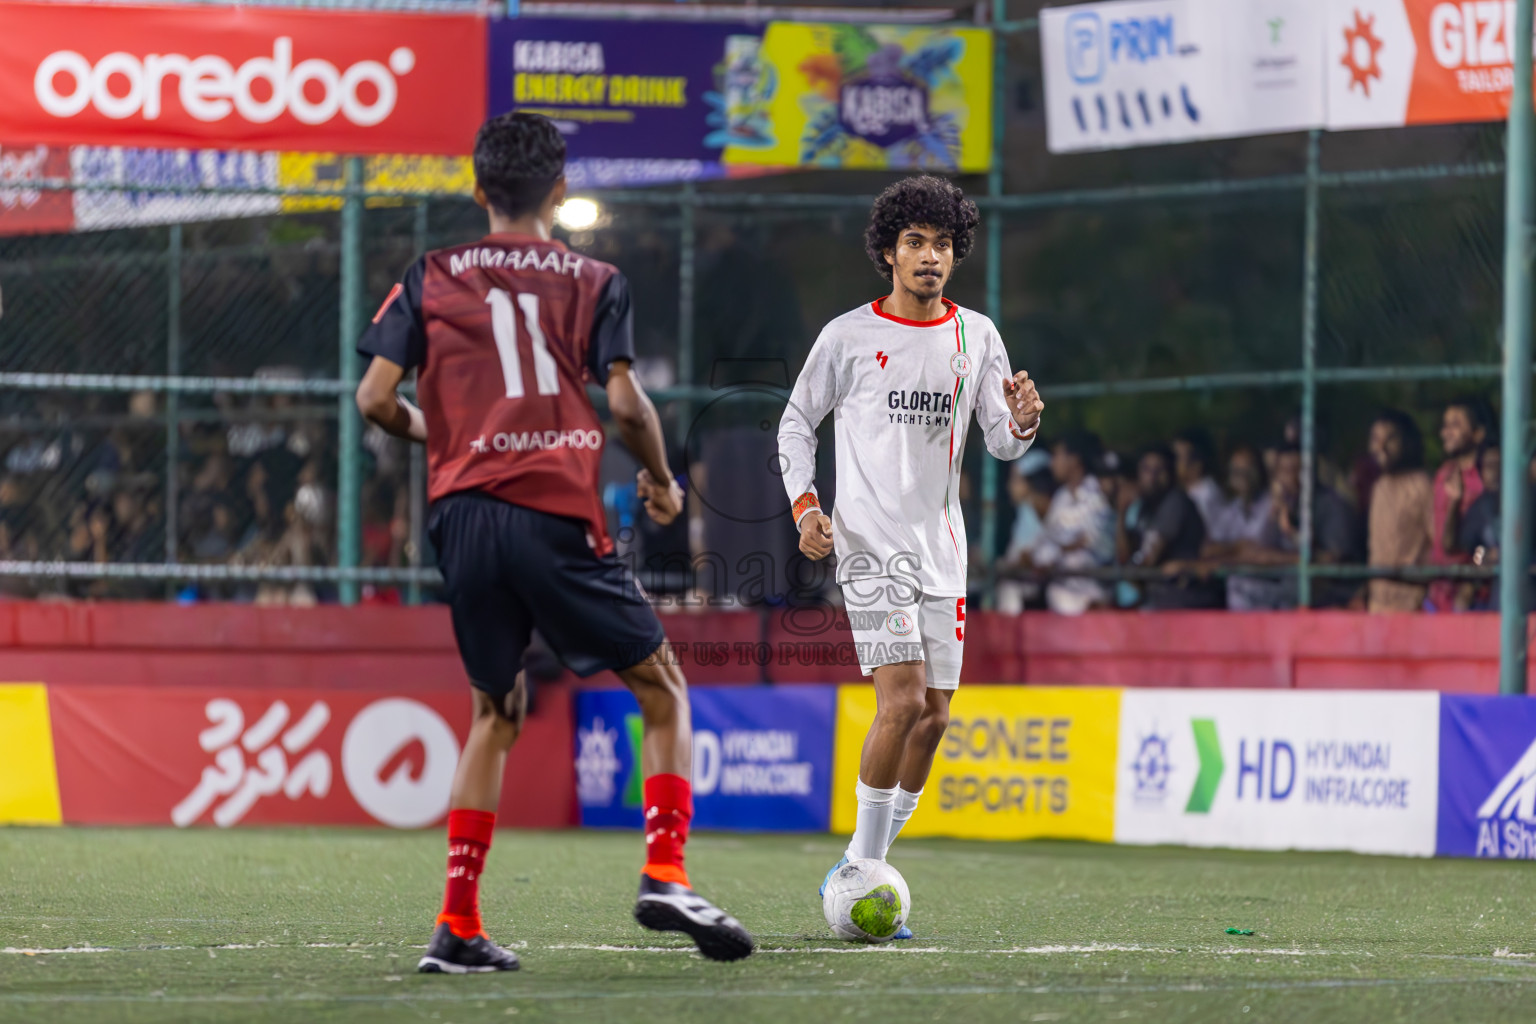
[504, 327]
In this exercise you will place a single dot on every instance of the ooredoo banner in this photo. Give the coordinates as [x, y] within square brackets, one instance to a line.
[1017, 762]
[1279, 770]
[1401, 62]
[762, 758]
[241, 77]
[191, 756]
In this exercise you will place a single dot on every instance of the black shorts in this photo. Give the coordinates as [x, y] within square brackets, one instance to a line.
[509, 570]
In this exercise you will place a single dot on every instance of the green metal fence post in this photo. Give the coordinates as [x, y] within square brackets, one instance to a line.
[349, 469]
[172, 399]
[1309, 372]
[1519, 229]
[418, 469]
[687, 259]
[994, 288]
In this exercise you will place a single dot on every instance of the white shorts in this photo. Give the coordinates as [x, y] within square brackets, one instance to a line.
[890, 627]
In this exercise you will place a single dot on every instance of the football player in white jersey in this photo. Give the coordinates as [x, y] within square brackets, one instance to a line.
[903, 376]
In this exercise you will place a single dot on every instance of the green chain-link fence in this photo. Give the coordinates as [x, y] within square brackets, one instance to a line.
[175, 400]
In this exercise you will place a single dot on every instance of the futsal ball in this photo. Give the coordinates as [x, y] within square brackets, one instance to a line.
[866, 901]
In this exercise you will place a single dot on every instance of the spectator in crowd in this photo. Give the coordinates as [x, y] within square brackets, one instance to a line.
[137, 536]
[1402, 527]
[1477, 533]
[289, 541]
[87, 539]
[1118, 482]
[1335, 535]
[1463, 431]
[1079, 528]
[385, 529]
[210, 487]
[1167, 529]
[12, 515]
[1328, 471]
[1029, 488]
[262, 501]
[216, 543]
[1194, 458]
[1244, 520]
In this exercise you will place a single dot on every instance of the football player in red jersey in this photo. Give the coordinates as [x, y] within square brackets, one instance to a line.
[505, 333]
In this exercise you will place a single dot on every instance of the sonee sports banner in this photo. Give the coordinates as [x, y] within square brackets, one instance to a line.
[1016, 762]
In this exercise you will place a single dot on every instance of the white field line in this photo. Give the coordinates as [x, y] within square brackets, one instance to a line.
[874, 950]
[480, 995]
[1502, 953]
[878, 949]
[31, 951]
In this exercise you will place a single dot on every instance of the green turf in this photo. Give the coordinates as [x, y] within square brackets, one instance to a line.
[332, 922]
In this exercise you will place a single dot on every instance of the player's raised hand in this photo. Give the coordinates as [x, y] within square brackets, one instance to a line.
[662, 503]
[1023, 400]
[815, 536]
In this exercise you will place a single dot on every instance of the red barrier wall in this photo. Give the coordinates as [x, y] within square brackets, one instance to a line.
[377, 648]
[1307, 650]
[129, 683]
[137, 691]
[1300, 650]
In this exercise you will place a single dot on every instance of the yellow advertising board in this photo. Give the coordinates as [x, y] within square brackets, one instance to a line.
[29, 783]
[872, 97]
[1017, 762]
[327, 171]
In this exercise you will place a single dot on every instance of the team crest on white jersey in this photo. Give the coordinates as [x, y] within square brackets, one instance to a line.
[961, 364]
[899, 623]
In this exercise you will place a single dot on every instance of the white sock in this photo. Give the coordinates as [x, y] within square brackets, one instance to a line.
[873, 823]
[902, 808]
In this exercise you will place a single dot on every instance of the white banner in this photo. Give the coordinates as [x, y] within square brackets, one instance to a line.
[204, 168]
[1371, 57]
[1279, 770]
[1143, 72]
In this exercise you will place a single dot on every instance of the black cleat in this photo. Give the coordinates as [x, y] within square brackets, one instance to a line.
[671, 907]
[449, 954]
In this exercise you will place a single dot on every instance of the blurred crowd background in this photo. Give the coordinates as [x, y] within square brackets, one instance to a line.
[1168, 488]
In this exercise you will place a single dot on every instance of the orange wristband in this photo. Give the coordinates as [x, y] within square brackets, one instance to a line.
[804, 504]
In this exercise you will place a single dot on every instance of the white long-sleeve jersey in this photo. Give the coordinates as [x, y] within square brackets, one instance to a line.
[902, 393]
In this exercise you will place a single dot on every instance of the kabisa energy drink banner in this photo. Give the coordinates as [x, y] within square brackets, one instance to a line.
[636, 101]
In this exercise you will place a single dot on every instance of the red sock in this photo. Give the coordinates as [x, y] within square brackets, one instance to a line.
[469, 838]
[668, 809]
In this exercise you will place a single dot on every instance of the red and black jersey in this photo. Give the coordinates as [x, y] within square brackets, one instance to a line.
[507, 331]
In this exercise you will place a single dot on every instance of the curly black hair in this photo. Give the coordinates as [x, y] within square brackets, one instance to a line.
[923, 201]
[518, 159]
[1411, 436]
